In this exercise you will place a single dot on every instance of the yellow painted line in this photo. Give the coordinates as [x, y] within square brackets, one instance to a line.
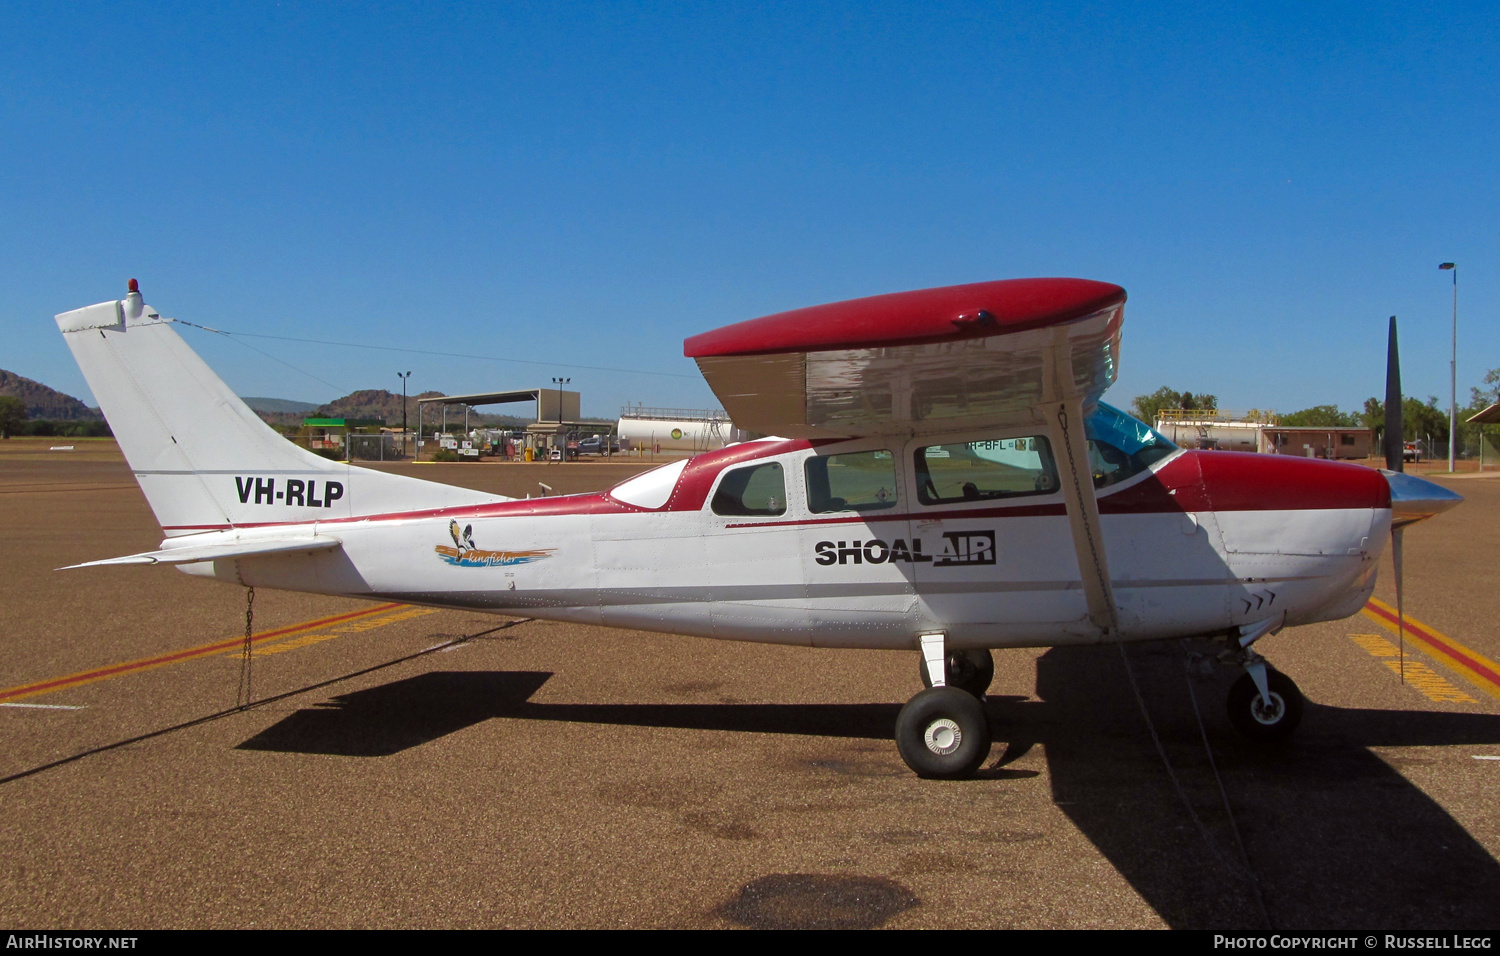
[1429, 682]
[1432, 684]
[1469, 664]
[187, 654]
[315, 637]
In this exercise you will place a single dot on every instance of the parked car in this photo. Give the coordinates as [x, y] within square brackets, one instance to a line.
[595, 445]
[1410, 452]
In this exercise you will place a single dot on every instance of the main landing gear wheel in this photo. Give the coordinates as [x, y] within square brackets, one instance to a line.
[971, 669]
[943, 734]
[1258, 720]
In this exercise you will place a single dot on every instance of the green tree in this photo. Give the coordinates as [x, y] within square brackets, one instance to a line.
[1199, 402]
[1492, 379]
[1420, 421]
[1148, 407]
[12, 415]
[1479, 400]
[1322, 416]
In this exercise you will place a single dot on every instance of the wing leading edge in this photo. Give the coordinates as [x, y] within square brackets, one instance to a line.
[960, 356]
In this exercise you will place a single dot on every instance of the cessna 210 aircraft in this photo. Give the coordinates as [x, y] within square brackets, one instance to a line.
[945, 480]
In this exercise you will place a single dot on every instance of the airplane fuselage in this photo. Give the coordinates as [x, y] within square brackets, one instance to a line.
[992, 499]
[1197, 543]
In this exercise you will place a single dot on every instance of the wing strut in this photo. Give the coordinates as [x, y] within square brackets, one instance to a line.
[1083, 515]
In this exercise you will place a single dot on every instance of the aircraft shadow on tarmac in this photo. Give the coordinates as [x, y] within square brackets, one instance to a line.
[1336, 839]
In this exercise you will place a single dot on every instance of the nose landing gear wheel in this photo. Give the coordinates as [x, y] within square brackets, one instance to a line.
[1257, 719]
[971, 669]
[943, 733]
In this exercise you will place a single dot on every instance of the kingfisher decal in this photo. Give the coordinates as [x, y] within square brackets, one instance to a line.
[465, 555]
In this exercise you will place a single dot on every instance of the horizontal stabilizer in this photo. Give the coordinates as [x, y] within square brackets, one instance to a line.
[216, 552]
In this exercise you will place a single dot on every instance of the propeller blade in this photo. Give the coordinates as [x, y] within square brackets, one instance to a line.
[1396, 535]
[1394, 436]
[1413, 499]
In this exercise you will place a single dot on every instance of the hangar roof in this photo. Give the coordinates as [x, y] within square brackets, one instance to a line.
[1488, 417]
[485, 398]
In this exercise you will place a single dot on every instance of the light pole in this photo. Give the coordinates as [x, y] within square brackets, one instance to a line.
[560, 382]
[1453, 370]
[403, 376]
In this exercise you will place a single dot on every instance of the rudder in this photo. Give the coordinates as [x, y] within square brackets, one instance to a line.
[204, 460]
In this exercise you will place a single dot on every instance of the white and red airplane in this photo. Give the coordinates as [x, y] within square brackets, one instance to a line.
[947, 482]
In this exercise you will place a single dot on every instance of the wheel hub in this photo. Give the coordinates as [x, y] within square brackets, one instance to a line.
[942, 736]
[1268, 713]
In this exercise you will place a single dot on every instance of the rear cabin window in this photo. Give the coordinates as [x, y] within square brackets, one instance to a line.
[985, 470]
[858, 481]
[757, 490]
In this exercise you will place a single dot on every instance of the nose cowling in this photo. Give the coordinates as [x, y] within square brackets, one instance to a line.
[1244, 481]
[1416, 499]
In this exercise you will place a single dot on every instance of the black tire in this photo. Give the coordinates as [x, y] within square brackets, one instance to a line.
[943, 734]
[970, 669]
[1251, 718]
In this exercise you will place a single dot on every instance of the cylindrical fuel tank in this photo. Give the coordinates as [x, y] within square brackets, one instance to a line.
[683, 435]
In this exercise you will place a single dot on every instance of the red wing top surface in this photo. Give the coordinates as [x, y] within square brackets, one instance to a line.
[916, 362]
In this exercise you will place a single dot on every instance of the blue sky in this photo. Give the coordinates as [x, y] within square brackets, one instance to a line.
[584, 185]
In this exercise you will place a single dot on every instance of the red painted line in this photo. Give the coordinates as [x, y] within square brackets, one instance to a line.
[172, 657]
[846, 519]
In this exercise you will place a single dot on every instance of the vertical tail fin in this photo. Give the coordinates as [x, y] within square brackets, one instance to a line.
[205, 460]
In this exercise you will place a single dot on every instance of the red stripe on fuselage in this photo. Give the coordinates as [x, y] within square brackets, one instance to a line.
[1194, 481]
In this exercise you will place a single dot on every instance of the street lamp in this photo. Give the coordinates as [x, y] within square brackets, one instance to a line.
[1453, 370]
[403, 376]
[560, 382]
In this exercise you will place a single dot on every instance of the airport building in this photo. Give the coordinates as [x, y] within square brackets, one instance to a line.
[1317, 442]
[1257, 431]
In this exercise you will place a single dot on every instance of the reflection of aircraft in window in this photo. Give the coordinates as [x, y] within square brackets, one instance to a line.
[947, 482]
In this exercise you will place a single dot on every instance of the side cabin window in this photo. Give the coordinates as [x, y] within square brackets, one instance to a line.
[857, 481]
[1109, 465]
[985, 470]
[756, 490]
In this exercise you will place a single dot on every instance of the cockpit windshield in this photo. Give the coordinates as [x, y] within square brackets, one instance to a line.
[1120, 446]
[1112, 426]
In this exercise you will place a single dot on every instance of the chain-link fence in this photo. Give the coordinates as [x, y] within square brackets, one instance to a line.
[382, 447]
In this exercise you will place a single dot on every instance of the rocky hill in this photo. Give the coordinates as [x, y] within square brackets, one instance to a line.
[277, 404]
[46, 403]
[380, 403]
